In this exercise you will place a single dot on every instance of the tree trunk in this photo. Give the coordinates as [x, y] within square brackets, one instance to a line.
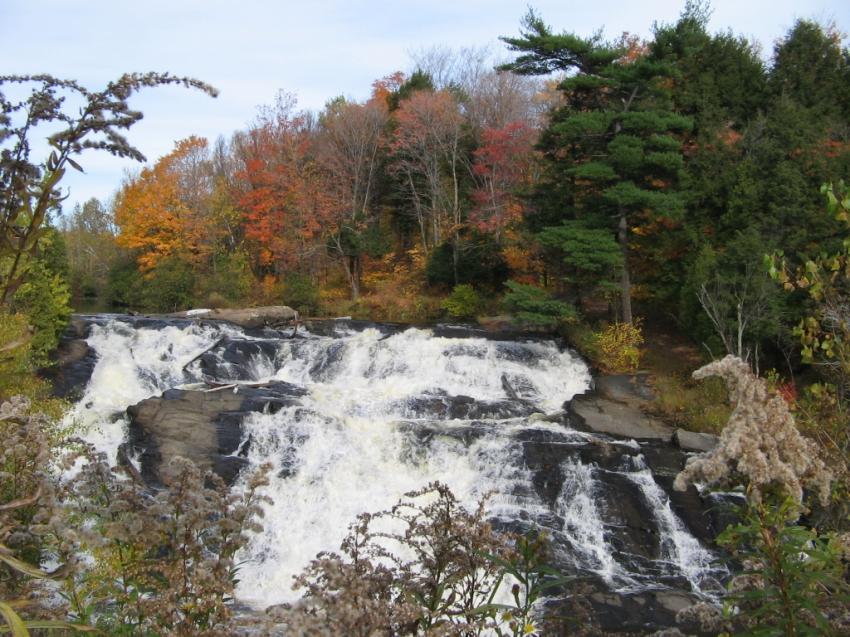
[625, 283]
[354, 275]
[454, 258]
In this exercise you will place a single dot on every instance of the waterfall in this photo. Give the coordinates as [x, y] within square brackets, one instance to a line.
[385, 413]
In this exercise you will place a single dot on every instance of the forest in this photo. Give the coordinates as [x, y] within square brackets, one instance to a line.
[606, 190]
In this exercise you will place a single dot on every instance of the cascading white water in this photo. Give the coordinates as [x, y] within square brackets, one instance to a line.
[352, 447]
[679, 549]
[584, 526]
[133, 364]
[377, 421]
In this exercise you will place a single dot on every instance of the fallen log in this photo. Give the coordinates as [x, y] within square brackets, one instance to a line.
[210, 348]
[248, 318]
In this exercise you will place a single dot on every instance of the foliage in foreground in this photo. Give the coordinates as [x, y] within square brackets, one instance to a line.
[760, 444]
[29, 190]
[426, 566]
[131, 561]
[792, 580]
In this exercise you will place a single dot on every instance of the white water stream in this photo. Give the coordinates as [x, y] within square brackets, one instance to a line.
[360, 438]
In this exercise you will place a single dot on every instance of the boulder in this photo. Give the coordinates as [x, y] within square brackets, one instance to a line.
[204, 426]
[73, 361]
[694, 441]
[591, 412]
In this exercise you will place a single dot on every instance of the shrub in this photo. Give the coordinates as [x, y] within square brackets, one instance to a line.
[300, 293]
[446, 584]
[792, 581]
[45, 298]
[619, 347]
[463, 302]
[124, 284]
[479, 261]
[168, 286]
[535, 306]
[760, 445]
[229, 281]
[155, 564]
[164, 562]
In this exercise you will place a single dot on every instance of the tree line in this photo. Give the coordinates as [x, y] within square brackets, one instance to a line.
[609, 173]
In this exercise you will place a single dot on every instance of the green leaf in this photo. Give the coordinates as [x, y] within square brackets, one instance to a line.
[20, 566]
[15, 624]
[46, 624]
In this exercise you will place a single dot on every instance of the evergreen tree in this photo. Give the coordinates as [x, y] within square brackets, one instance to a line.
[613, 145]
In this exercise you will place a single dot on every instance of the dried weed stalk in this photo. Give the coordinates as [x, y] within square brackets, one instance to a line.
[760, 443]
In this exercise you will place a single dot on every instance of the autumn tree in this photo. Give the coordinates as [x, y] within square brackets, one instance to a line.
[78, 120]
[160, 213]
[350, 139]
[504, 164]
[490, 98]
[283, 195]
[430, 163]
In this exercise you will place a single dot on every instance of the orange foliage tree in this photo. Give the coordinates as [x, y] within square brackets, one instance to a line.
[156, 216]
[503, 164]
[284, 198]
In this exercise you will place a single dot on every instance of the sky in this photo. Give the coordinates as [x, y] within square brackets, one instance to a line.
[252, 49]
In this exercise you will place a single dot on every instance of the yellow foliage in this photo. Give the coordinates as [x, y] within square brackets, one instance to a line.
[619, 347]
[155, 217]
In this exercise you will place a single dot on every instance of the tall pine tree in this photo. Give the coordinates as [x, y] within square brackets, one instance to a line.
[612, 147]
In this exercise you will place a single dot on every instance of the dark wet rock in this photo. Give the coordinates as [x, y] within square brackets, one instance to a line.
[73, 361]
[326, 366]
[203, 426]
[629, 524]
[662, 458]
[517, 352]
[237, 359]
[601, 611]
[442, 407]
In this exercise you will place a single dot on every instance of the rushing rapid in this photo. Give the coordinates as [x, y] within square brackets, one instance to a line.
[385, 412]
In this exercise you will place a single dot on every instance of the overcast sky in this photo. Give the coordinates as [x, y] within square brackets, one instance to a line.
[317, 50]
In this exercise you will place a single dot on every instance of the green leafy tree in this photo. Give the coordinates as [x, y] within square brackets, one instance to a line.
[614, 143]
[720, 79]
[169, 286]
[89, 234]
[811, 68]
[740, 306]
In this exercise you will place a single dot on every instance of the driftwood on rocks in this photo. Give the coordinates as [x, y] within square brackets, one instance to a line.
[248, 318]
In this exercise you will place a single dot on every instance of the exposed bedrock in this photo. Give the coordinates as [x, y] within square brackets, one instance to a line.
[204, 426]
